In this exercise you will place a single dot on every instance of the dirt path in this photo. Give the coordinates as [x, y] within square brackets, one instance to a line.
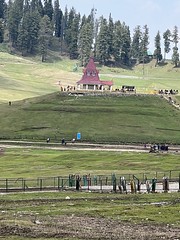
[82, 146]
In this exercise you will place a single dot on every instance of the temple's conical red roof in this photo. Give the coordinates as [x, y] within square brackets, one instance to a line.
[91, 65]
[91, 75]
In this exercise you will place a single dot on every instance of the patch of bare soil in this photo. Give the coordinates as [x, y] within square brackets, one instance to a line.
[69, 227]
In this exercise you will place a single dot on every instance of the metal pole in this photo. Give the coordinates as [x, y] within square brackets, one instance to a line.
[58, 182]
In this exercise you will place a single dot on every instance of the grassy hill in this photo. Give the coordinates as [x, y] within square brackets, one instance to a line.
[99, 119]
[103, 118]
[22, 78]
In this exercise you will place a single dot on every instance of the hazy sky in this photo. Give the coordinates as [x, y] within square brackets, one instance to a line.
[157, 14]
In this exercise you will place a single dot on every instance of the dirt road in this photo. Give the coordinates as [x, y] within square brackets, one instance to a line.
[83, 146]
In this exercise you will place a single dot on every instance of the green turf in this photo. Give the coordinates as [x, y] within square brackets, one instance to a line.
[99, 119]
[22, 78]
[120, 120]
[23, 208]
[141, 208]
[34, 163]
[105, 119]
[28, 77]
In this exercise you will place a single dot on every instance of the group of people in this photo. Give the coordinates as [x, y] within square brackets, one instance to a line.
[63, 141]
[158, 147]
[166, 91]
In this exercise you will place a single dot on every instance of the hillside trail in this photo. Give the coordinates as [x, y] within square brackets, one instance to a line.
[84, 146]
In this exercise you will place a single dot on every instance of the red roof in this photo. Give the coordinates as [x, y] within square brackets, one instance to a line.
[109, 83]
[91, 75]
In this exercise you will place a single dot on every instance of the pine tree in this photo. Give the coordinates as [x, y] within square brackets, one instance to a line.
[126, 46]
[157, 51]
[63, 31]
[83, 21]
[96, 30]
[2, 8]
[48, 9]
[102, 42]
[136, 40]
[144, 45]
[15, 16]
[45, 36]
[2, 21]
[91, 19]
[34, 28]
[37, 5]
[110, 36]
[175, 39]
[85, 43]
[29, 29]
[68, 22]
[57, 19]
[22, 40]
[73, 45]
[71, 33]
[1, 31]
[117, 42]
[167, 42]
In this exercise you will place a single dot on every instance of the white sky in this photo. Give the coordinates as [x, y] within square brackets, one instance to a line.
[157, 14]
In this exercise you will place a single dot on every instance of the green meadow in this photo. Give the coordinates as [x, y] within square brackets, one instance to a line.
[99, 119]
[34, 163]
[22, 209]
[39, 110]
[22, 78]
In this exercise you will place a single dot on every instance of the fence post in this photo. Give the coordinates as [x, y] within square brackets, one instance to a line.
[40, 185]
[6, 185]
[62, 183]
[101, 185]
[58, 183]
[106, 181]
[70, 180]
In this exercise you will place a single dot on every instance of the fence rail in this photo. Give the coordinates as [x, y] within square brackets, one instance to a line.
[168, 181]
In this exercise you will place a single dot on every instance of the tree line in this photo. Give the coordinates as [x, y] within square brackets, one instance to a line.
[34, 27]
